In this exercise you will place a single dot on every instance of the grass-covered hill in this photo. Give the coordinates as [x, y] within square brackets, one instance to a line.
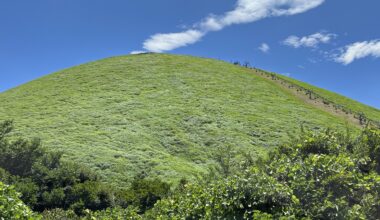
[162, 114]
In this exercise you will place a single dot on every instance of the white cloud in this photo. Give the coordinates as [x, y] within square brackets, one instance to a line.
[137, 52]
[246, 11]
[358, 50]
[309, 41]
[264, 48]
[164, 42]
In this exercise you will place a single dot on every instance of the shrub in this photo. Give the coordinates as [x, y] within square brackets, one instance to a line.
[11, 207]
[144, 193]
[316, 176]
[234, 197]
[59, 214]
[114, 213]
[44, 180]
[326, 176]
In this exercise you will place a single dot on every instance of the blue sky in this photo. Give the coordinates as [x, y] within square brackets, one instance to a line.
[333, 44]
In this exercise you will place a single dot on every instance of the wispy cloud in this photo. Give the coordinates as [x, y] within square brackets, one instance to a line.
[358, 50]
[246, 11]
[137, 52]
[309, 41]
[165, 42]
[264, 48]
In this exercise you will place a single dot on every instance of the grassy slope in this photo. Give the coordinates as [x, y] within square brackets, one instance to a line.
[369, 111]
[159, 113]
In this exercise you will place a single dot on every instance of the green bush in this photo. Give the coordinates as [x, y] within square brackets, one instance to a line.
[234, 197]
[11, 207]
[114, 214]
[143, 193]
[59, 214]
[45, 181]
[17, 157]
[324, 175]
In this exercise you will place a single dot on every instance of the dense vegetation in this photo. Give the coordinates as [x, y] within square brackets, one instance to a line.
[45, 182]
[11, 206]
[166, 115]
[324, 175]
[318, 175]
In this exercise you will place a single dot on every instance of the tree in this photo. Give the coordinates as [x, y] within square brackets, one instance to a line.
[17, 157]
[44, 180]
[225, 159]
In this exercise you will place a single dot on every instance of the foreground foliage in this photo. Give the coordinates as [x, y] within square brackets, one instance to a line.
[46, 182]
[11, 206]
[318, 175]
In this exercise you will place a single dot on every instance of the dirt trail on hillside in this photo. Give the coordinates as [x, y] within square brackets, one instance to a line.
[316, 102]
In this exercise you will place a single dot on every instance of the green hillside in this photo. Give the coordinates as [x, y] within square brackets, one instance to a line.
[162, 114]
